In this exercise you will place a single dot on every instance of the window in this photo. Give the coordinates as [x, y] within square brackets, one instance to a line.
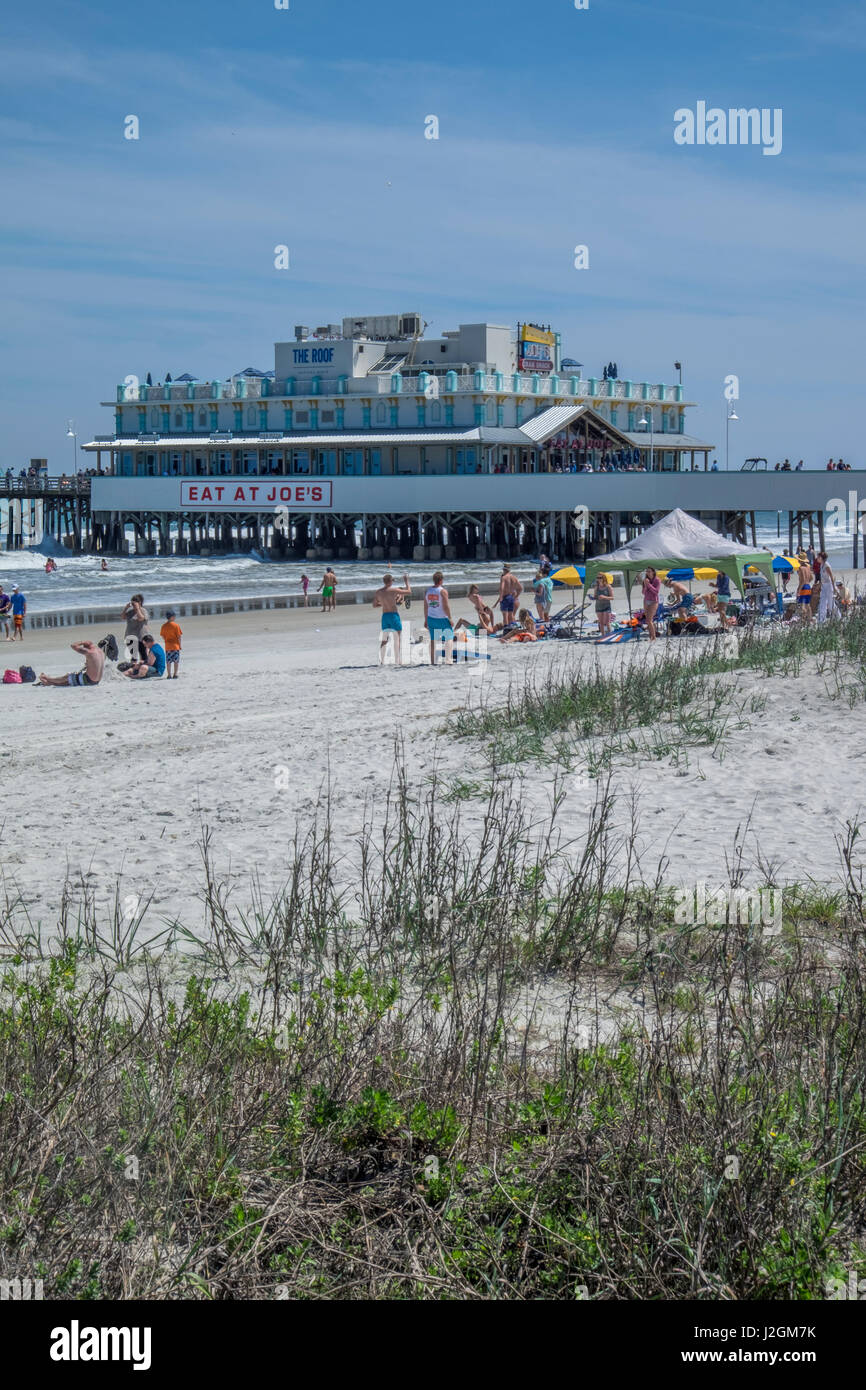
[301, 460]
[490, 412]
[328, 417]
[435, 411]
[380, 414]
[202, 420]
[251, 415]
[178, 420]
[302, 417]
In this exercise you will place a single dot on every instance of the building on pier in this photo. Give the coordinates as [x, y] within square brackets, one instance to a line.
[371, 410]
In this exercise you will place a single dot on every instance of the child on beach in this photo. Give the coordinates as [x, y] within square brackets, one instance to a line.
[171, 634]
[305, 584]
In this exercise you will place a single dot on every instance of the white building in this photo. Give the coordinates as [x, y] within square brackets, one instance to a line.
[376, 398]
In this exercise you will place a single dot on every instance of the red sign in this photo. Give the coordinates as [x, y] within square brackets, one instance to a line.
[533, 364]
[263, 495]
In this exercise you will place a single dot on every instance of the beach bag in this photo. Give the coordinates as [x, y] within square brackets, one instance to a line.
[11, 678]
[109, 646]
[27, 674]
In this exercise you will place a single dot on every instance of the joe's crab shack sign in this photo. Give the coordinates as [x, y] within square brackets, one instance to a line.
[259, 496]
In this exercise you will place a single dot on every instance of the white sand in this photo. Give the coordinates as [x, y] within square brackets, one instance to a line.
[121, 778]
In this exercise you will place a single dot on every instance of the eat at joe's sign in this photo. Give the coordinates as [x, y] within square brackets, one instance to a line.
[256, 496]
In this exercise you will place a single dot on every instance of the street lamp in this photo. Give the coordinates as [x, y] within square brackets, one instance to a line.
[70, 434]
[728, 420]
[648, 424]
[678, 367]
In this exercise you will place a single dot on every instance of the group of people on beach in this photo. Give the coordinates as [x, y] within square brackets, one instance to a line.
[146, 658]
[13, 610]
[515, 624]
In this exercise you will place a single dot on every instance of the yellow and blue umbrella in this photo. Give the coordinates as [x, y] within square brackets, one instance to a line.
[569, 576]
[702, 572]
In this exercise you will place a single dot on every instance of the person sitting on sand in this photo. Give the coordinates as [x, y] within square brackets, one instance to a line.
[387, 599]
[843, 595]
[484, 612]
[153, 663]
[94, 665]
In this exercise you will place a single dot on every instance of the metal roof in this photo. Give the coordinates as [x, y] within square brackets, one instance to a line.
[666, 441]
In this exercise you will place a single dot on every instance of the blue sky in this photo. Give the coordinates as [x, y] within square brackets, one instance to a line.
[306, 127]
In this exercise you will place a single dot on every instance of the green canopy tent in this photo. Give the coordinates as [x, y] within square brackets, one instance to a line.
[680, 541]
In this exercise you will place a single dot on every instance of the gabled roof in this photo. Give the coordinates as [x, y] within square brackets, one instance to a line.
[558, 417]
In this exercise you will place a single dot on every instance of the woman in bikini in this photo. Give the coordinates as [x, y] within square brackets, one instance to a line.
[651, 587]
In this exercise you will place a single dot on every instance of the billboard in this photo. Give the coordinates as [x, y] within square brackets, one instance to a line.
[534, 348]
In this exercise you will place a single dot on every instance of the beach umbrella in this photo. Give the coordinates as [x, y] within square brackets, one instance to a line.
[568, 576]
[687, 572]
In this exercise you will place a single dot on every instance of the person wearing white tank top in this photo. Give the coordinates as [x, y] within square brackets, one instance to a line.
[437, 617]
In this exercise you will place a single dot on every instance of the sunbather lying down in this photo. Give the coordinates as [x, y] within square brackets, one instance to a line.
[94, 665]
[525, 631]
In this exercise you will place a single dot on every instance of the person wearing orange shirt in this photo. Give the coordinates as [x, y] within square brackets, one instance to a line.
[171, 634]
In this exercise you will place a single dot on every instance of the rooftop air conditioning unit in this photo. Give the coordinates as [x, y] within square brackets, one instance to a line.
[301, 333]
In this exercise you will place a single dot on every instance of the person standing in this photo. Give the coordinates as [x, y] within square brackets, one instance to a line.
[510, 589]
[650, 592]
[19, 613]
[387, 599]
[171, 633]
[305, 585]
[804, 590]
[5, 614]
[437, 618]
[137, 620]
[722, 587]
[543, 586]
[328, 586]
[827, 598]
[603, 595]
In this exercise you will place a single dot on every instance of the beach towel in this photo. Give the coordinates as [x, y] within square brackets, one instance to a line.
[624, 635]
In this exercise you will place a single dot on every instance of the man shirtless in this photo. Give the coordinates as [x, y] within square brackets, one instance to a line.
[510, 589]
[94, 664]
[328, 586]
[387, 599]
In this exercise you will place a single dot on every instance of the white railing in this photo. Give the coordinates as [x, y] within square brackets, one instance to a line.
[253, 388]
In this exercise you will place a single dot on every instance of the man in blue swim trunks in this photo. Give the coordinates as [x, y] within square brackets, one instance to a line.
[510, 589]
[387, 599]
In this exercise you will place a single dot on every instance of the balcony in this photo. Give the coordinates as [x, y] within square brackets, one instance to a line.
[563, 386]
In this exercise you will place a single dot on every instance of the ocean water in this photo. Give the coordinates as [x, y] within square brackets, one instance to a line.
[79, 581]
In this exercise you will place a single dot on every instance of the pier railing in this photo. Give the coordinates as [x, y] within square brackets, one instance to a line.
[396, 384]
[41, 487]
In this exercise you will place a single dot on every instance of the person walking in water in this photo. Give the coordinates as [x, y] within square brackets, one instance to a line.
[305, 585]
[651, 587]
[387, 599]
[437, 618]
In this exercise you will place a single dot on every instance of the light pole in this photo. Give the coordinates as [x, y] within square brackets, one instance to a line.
[678, 367]
[648, 424]
[728, 419]
[70, 434]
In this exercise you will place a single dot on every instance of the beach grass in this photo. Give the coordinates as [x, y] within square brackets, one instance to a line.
[479, 1066]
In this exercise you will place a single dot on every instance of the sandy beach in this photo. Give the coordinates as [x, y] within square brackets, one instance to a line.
[117, 784]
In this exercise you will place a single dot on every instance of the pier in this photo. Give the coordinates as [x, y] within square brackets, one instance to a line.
[428, 517]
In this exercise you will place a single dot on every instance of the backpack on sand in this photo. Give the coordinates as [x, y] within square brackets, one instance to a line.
[27, 674]
[11, 678]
